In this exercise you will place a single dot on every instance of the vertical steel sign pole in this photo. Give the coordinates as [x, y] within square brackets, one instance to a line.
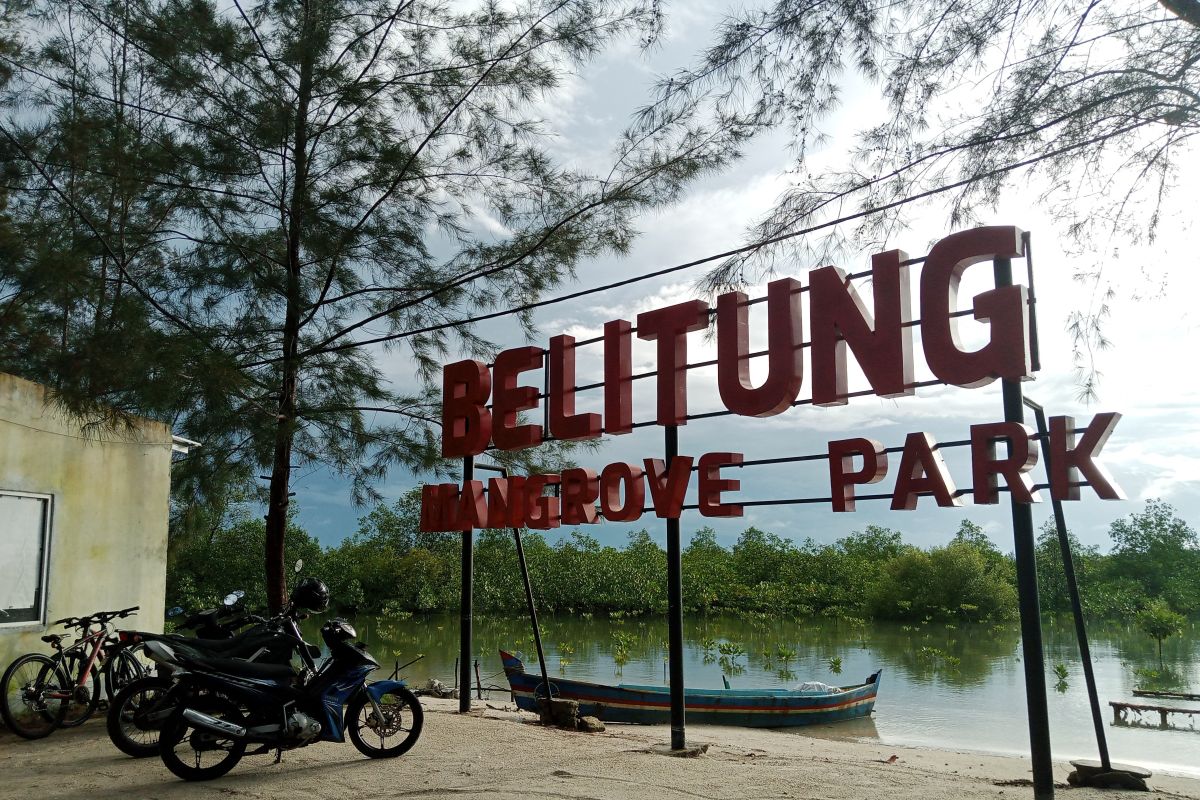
[675, 608]
[1027, 593]
[465, 618]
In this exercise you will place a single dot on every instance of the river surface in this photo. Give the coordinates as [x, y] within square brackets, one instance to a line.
[955, 687]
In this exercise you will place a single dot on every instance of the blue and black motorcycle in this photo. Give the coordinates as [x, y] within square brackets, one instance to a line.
[223, 707]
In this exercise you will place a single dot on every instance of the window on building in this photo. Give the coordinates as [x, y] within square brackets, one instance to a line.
[24, 556]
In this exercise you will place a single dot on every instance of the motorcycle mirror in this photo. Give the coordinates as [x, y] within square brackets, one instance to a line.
[175, 612]
[299, 565]
[232, 598]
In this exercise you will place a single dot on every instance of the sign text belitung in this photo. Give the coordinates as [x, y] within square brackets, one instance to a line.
[838, 320]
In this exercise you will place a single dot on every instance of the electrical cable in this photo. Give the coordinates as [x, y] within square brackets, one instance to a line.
[326, 348]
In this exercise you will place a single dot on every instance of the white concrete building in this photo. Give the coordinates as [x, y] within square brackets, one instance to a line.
[83, 519]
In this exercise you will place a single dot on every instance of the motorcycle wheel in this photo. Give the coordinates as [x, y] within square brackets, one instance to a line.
[136, 716]
[396, 733]
[195, 754]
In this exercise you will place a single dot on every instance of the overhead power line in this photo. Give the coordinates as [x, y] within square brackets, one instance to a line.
[332, 348]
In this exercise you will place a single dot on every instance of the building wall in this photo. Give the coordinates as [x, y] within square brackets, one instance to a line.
[108, 531]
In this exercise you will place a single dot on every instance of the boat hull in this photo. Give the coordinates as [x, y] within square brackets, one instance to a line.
[651, 705]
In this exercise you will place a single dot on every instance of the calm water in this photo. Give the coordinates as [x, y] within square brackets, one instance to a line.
[953, 687]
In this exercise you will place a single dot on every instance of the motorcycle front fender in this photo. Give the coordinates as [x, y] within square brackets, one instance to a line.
[378, 689]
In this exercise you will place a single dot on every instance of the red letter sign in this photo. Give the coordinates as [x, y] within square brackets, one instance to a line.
[668, 488]
[564, 422]
[985, 466]
[784, 357]
[472, 507]
[618, 377]
[506, 502]
[712, 484]
[1006, 355]
[541, 513]
[922, 470]
[511, 398]
[611, 478]
[670, 327]
[1067, 460]
[883, 347]
[842, 475]
[579, 490]
[466, 424]
[439, 506]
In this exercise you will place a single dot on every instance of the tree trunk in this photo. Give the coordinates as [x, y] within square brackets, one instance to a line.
[285, 429]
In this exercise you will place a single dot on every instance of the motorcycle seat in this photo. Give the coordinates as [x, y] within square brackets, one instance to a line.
[213, 645]
[246, 669]
[238, 646]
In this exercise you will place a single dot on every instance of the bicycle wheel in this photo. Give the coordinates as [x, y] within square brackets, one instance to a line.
[85, 693]
[34, 695]
[122, 669]
[396, 732]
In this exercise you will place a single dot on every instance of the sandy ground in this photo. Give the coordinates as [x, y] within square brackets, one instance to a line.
[496, 753]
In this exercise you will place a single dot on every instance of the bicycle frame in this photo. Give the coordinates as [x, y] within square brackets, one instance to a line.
[96, 640]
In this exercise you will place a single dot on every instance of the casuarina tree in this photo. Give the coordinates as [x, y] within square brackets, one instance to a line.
[1087, 105]
[246, 205]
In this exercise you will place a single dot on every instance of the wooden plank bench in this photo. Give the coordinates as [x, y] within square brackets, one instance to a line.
[1121, 712]
[1165, 695]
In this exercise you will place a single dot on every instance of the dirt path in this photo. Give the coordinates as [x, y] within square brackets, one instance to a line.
[494, 755]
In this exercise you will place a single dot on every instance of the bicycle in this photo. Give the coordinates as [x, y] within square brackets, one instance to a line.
[40, 693]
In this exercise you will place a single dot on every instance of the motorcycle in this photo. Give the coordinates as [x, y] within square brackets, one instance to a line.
[136, 713]
[216, 623]
[221, 707]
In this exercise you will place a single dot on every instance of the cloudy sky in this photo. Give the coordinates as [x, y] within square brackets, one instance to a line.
[1146, 374]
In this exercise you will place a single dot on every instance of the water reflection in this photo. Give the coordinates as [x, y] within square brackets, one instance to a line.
[956, 686]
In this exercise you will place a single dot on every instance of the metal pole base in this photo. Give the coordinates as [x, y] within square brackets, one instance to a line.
[690, 751]
[1117, 776]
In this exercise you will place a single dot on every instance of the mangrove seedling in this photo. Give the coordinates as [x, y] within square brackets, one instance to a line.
[1158, 621]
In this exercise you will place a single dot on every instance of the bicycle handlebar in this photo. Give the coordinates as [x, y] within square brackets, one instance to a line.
[100, 617]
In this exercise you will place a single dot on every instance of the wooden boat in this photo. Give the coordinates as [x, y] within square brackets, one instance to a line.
[649, 705]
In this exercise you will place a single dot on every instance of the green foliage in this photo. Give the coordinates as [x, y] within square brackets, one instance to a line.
[938, 659]
[387, 566]
[225, 208]
[967, 102]
[1161, 679]
[1159, 622]
[956, 581]
[623, 643]
[202, 570]
[1160, 553]
[1060, 673]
